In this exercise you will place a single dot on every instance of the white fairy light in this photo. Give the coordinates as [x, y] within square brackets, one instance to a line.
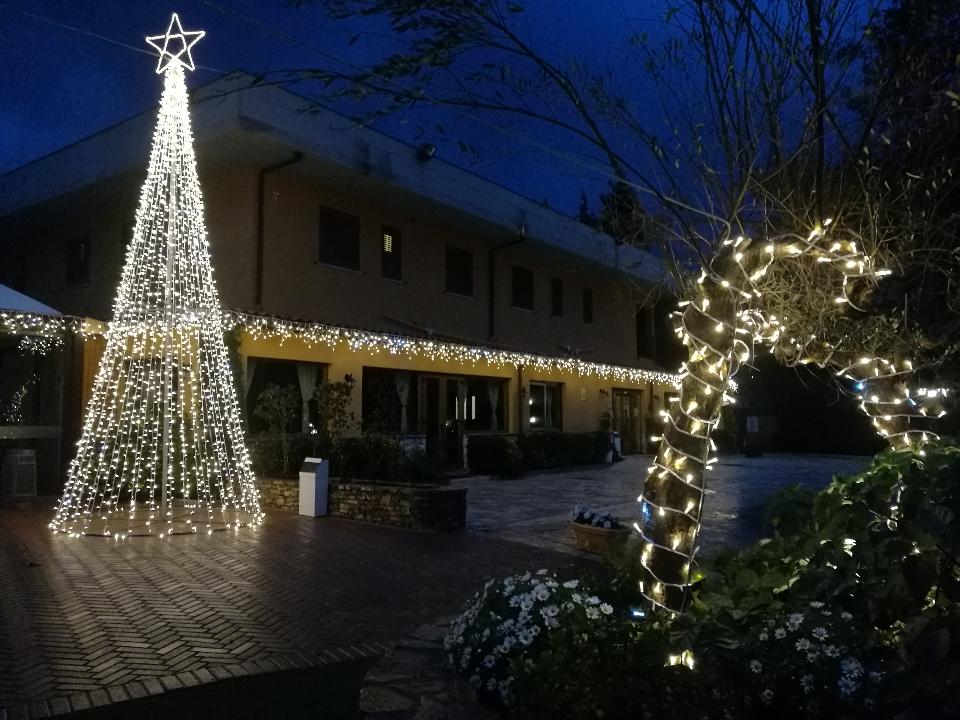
[162, 447]
[671, 503]
[174, 45]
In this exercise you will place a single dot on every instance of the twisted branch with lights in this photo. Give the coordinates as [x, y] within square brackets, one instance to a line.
[721, 327]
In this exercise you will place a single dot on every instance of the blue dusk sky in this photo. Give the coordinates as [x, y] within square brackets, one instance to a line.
[74, 67]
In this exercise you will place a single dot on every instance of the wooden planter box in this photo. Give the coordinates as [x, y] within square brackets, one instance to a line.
[597, 540]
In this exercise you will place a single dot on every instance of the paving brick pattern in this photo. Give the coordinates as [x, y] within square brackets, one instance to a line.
[100, 621]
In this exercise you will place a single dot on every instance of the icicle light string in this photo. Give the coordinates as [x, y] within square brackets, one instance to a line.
[720, 327]
[258, 326]
[162, 447]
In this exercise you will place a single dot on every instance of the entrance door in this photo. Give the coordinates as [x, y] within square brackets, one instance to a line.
[442, 410]
[626, 419]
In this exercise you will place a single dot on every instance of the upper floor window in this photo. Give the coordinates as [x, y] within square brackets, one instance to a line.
[390, 253]
[339, 239]
[521, 288]
[78, 261]
[459, 271]
[587, 305]
[556, 297]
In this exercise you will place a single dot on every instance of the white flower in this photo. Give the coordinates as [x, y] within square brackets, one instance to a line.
[779, 633]
[852, 666]
[756, 666]
[803, 644]
[535, 630]
[831, 651]
[549, 611]
[551, 623]
[593, 613]
[571, 584]
[525, 637]
[526, 604]
[812, 656]
[489, 661]
[815, 604]
[606, 608]
[847, 685]
[593, 600]
[762, 636]
[794, 620]
[576, 597]
[846, 616]
[820, 633]
[542, 571]
[542, 593]
[767, 696]
[515, 600]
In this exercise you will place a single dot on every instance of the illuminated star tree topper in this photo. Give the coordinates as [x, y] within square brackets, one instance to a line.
[162, 446]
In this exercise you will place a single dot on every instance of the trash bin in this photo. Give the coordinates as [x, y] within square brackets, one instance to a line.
[19, 475]
[314, 483]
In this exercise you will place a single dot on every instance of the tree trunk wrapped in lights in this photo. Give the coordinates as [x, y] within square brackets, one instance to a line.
[720, 328]
[162, 448]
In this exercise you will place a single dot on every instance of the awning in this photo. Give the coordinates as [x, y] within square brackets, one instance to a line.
[13, 301]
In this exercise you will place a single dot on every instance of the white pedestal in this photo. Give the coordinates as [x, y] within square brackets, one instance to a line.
[314, 482]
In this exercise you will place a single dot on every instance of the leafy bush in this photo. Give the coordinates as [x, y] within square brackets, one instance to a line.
[512, 457]
[850, 609]
[881, 548]
[494, 455]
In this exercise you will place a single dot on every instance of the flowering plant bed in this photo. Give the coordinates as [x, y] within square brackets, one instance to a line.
[508, 623]
[596, 532]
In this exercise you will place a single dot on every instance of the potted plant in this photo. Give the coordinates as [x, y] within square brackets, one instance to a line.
[596, 532]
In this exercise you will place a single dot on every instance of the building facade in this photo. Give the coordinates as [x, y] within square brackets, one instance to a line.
[454, 305]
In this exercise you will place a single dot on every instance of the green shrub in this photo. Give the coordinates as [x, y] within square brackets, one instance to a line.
[416, 468]
[881, 548]
[370, 457]
[850, 609]
[494, 455]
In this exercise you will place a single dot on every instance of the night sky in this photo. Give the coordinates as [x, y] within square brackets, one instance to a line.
[74, 67]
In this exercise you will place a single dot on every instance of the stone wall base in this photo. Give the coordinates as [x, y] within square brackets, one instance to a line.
[413, 507]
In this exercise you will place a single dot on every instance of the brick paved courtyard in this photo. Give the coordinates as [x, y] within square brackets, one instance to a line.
[82, 615]
[535, 510]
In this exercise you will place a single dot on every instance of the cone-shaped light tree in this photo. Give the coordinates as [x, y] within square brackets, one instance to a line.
[162, 450]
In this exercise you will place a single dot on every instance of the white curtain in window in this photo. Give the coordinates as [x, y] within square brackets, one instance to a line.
[307, 376]
[402, 381]
[493, 390]
[249, 369]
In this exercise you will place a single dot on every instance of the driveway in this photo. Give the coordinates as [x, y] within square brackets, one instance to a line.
[535, 510]
[86, 617]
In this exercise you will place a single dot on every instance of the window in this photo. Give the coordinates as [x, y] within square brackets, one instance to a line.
[587, 305]
[546, 406]
[484, 406]
[391, 252]
[78, 261]
[339, 239]
[556, 297]
[645, 332]
[389, 400]
[459, 271]
[521, 293]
